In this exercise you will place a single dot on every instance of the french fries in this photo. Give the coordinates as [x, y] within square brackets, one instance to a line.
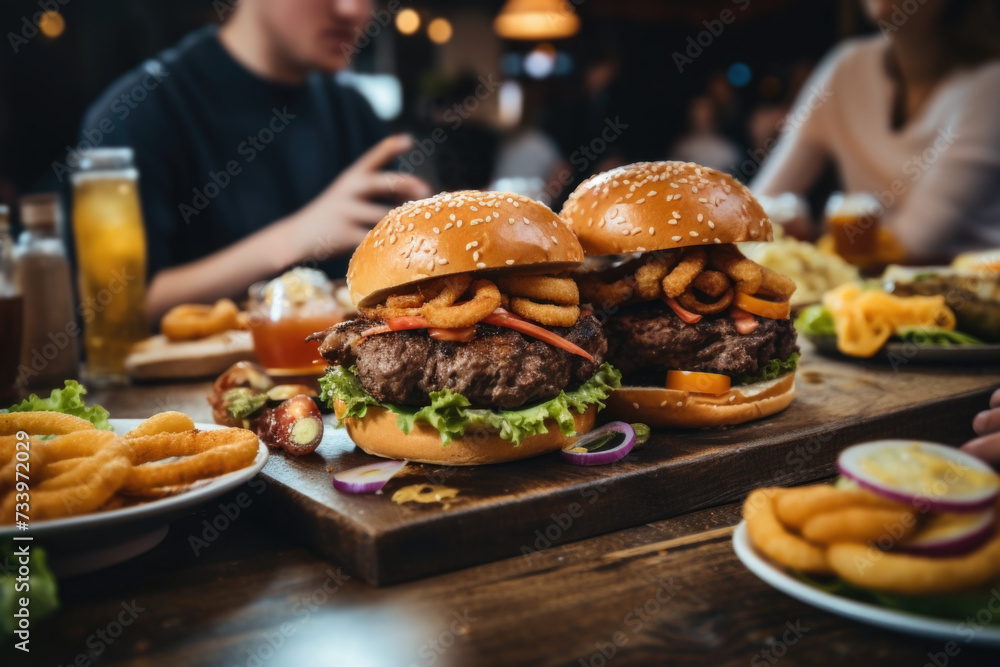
[84, 469]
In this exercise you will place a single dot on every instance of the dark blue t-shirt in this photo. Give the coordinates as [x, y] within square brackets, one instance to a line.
[223, 153]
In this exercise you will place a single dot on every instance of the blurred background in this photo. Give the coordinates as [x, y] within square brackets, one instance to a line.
[631, 80]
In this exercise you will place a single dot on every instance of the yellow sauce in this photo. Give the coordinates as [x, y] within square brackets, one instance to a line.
[425, 493]
[920, 472]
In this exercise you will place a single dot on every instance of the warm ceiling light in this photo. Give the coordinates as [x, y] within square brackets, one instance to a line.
[52, 24]
[439, 31]
[536, 19]
[407, 21]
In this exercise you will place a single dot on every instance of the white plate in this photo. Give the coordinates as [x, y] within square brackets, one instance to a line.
[901, 621]
[88, 542]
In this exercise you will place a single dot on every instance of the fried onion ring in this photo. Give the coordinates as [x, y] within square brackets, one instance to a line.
[165, 422]
[414, 300]
[450, 289]
[770, 537]
[41, 423]
[868, 567]
[860, 524]
[686, 271]
[194, 321]
[713, 284]
[649, 277]
[485, 299]
[745, 273]
[601, 294]
[202, 454]
[796, 506]
[560, 291]
[773, 281]
[544, 313]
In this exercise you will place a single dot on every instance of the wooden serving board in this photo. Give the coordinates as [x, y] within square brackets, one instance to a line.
[157, 358]
[528, 506]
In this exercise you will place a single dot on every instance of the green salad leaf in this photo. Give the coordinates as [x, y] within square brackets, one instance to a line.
[815, 321]
[452, 415]
[42, 591]
[68, 400]
[771, 370]
[958, 606]
[935, 336]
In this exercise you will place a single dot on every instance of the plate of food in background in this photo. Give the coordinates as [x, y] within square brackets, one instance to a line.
[906, 539]
[95, 491]
[924, 314]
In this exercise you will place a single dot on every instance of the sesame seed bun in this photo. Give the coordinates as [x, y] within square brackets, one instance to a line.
[458, 232]
[662, 205]
[377, 434]
[671, 408]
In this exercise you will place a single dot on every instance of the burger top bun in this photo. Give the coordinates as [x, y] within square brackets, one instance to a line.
[458, 232]
[662, 205]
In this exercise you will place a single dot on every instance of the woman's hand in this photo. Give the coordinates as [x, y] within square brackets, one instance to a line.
[987, 425]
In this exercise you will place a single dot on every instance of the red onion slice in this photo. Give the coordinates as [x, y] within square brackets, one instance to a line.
[367, 479]
[923, 474]
[606, 444]
[947, 535]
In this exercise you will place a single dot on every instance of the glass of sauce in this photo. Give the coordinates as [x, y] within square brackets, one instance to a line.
[284, 311]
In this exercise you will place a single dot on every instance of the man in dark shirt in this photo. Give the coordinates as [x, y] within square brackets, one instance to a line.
[251, 157]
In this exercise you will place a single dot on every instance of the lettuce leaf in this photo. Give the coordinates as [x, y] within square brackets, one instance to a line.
[771, 370]
[68, 400]
[452, 415]
[816, 322]
[43, 593]
[935, 336]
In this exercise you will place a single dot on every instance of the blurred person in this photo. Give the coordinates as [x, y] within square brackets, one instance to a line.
[251, 157]
[986, 424]
[703, 143]
[910, 116]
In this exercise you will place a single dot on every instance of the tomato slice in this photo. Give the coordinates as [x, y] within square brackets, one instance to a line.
[406, 323]
[774, 310]
[463, 335]
[745, 322]
[502, 318]
[698, 383]
[379, 329]
[686, 315]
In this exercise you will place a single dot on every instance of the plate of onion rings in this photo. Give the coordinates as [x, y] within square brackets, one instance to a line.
[892, 619]
[98, 498]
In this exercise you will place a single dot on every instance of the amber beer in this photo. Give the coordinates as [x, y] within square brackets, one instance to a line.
[111, 260]
[853, 220]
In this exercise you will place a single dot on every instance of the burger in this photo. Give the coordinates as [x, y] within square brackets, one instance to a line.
[700, 333]
[471, 346]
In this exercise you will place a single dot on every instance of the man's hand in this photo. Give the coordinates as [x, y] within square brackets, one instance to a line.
[335, 221]
[987, 425]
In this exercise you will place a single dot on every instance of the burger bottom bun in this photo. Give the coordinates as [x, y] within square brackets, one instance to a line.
[663, 408]
[377, 434]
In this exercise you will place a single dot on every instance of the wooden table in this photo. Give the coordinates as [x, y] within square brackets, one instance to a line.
[669, 592]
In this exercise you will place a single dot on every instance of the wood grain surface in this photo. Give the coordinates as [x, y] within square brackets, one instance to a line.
[526, 506]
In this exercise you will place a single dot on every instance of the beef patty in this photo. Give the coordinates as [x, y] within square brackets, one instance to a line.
[499, 368]
[647, 340]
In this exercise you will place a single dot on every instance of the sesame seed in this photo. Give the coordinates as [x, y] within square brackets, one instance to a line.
[629, 195]
[680, 404]
[694, 188]
[516, 205]
[674, 185]
[671, 221]
[652, 231]
[496, 216]
[442, 261]
[761, 223]
[635, 230]
[554, 240]
[451, 217]
[473, 208]
[718, 240]
[525, 221]
[475, 256]
[700, 217]
[711, 225]
[437, 231]
[640, 200]
[693, 233]
[590, 222]
[481, 265]
[625, 232]
[732, 398]
[509, 262]
[471, 244]
[702, 200]
[641, 249]
[663, 404]
[392, 238]
[448, 226]
[409, 227]
[459, 224]
[677, 216]
[635, 405]
[651, 193]
[675, 238]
